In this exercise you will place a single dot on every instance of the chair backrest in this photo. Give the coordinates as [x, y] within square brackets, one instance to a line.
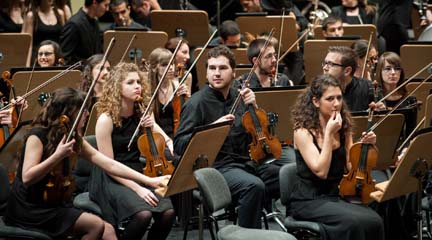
[287, 179]
[4, 186]
[214, 188]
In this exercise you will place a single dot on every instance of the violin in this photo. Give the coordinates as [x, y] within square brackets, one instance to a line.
[5, 130]
[152, 147]
[61, 183]
[178, 101]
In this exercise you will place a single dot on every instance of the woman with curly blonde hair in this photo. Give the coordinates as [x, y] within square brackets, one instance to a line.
[121, 199]
[322, 139]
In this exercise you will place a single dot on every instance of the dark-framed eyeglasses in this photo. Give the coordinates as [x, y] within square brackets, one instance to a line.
[331, 64]
[40, 54]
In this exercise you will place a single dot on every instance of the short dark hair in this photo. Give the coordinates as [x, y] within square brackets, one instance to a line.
[349, 57]
[115, 3]
[228, 28]
[330, 20]
[57, 50]
[254, 48]
[222, 50]
[88, 3]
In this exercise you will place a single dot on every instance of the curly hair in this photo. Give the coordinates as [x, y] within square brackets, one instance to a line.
[306, 115]
[63, 101]
[110, 101]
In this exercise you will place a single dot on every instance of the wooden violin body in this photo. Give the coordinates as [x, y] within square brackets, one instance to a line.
[256, 123]
[61, 183]
[358, 183]
[152, 147]
[178, 101]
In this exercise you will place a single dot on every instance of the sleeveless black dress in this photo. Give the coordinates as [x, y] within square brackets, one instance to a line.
[117, 201]
[28, 211]
[315, 199]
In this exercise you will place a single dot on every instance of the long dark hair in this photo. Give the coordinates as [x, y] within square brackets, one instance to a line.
[306, 115]
[63, 101]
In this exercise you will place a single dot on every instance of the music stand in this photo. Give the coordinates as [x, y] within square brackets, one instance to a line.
[11, 149]
[276, 99]
[90, 128]
[408, 176]
[197, 155]
[428, 111]
[388, 133]
[20, 80]
[192, 23]
[314, 54]
[414, 57]
[14, 50]
[142, 45]
[240, 56]
[362, 30]
[421, 95]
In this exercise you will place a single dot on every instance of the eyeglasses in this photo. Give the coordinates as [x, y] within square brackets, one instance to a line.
[389, 69]
[331, 64]
[45, 53]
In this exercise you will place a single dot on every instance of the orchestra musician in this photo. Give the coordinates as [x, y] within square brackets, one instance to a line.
[182, 59]
[120, 10]
[91, 70]
[121, 199]
[341, 63]
[332, 26]
[44, 150]
[322, 139]
[360, 47]
[49, 54]
[212, 104]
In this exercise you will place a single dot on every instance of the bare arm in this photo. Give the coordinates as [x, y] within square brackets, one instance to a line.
[28, 28]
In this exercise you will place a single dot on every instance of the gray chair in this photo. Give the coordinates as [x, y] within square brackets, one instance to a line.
[216, 196]
[10, 232]
[300, 229]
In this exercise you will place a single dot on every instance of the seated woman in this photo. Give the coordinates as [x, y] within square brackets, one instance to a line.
[322, 139]
[390, 75]
[49, 54]
[30, 204]
[90, 72]
[182, 58]
[360, 47]
[121, 199]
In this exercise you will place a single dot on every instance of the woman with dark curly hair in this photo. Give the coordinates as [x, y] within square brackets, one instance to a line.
[322, 139]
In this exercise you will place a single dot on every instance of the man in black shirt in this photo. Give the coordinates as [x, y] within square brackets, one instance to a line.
[81, 37]
[121, 14]
[340, 62]
[212, 104]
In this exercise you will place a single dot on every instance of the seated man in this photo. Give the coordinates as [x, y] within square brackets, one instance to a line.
[265, 73]
[141, 10]
[212, 104]
[121, 14]
[332, 27]
[229, 35]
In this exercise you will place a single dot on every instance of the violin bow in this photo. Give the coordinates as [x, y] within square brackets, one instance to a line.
[155, 92]
[189, 70]
[128, 46]
[367, 55]
[255, 65]
[89, 92]
[280, 44]
[294, 44]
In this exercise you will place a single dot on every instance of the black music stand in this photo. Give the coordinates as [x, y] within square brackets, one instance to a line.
[14, 50]
[197, 155]
[278, 100]
[409, 175]
[11, 149]
[141, 47]
[421, 95]
[40, 75]
[191, 24]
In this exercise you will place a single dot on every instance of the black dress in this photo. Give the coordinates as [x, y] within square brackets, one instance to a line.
[318, 200]
[44, 32]
[117, 201]
[28, 210]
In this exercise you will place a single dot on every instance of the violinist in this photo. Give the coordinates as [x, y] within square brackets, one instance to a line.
[122, 199]
[49, 54]
[265, 73]
[360, 47]
[91, 70]
[159, 59]
[45, 150]
[390, 75]
[341, 63]
[322, 139]
[212, 104]
[182, 58]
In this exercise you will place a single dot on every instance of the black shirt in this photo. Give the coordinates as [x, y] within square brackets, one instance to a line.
[80, 37]
[358, 94]
[204, 107]
[282, 80]
[7, 25]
